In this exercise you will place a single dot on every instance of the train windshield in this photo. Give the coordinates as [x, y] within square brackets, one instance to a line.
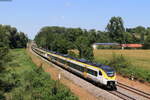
[109, 70]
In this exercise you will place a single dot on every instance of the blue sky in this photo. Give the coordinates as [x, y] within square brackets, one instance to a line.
[30, 15]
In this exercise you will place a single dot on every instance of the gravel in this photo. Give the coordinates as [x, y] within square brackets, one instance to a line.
[94, 90]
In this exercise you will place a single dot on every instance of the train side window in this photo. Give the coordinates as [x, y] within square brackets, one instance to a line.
[92, 72]
[95, 73]
[100, 73]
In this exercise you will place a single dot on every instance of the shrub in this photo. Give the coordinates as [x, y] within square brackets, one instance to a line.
[125, 68]
[73, 54]
[38, 85]
[24, 81]
[118, 61]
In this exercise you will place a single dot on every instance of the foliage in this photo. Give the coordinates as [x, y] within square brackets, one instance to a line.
[62, 39]
[4, 44]
[138, 32]
[13, 38]
[60, 45]
[118, 61]
[9, 38]
[83, 45]
[147, 43]
[127, 63]
[73, 54]
[116, 29]
[27, 82]
[125, 68]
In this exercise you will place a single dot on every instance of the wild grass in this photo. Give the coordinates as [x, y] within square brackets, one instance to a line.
[139, 58]
[136, 62]
[26, 81]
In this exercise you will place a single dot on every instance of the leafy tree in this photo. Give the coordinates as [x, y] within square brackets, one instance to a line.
[148, 31]
[103, 37]
[60, 45]
[92, 35]
[147, 43]
[9, 38]
[4, 46]
[84, 47]
[128, 38]
[138, 33]
[116, 29]
[62, 39]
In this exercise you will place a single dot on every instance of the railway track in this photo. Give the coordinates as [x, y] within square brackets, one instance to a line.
[125, 96]
[136, 91]
[122, 95]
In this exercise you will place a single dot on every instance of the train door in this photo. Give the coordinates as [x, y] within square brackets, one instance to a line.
[85, 72]
[100, 77]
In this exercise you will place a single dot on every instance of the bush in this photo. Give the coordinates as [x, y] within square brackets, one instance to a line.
[37, 84]
[147, 43]
[73, 54]
[118, 61]
[22, 80]
[125, 68]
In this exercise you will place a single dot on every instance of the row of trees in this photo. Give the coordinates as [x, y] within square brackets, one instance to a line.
[9, 38]
[62, 39]
[118, 33]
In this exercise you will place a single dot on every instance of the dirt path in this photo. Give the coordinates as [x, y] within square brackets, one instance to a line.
[135, 84]
[80, 92]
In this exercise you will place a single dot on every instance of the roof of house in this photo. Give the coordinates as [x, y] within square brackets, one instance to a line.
[132, 45]
[106, 44]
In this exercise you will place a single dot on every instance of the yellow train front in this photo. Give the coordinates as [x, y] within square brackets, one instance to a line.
[98, 73]
[108, 77]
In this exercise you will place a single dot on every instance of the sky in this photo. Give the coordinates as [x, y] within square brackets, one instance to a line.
[29, 16]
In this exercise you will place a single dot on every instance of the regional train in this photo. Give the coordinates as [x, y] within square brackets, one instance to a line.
[101, 74]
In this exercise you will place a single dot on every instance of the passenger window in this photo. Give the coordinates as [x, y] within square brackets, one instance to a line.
[100, 73]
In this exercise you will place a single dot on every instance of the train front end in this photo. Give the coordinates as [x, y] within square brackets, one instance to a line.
[109, 77]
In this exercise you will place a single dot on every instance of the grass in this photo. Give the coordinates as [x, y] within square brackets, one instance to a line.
[139, 58]
[127, 63]
[26, 81]
[20, 61]
[139, 61]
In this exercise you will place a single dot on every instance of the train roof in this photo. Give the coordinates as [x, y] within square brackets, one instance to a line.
[104, 67]
[106, 44]
[107, 68]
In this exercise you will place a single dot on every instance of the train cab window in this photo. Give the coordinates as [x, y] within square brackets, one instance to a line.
[100, 73]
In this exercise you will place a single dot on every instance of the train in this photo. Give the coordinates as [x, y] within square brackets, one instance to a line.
[100, 74]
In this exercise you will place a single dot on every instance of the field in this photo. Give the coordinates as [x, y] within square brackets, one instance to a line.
[140, 60]
[25, 81]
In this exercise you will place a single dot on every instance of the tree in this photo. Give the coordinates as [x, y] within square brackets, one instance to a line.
[84, 47]
[116, 29]
[147, 43]
[128, 38]
[138, 33]
[4, 45]
[60, 44]
[23, 39]
[92, 35]
[103, 37]
[148, 31]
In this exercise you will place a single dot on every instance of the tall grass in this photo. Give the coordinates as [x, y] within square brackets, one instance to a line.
[27, 82]
[125, 68]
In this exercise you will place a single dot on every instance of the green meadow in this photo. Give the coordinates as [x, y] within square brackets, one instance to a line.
[23, 80]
